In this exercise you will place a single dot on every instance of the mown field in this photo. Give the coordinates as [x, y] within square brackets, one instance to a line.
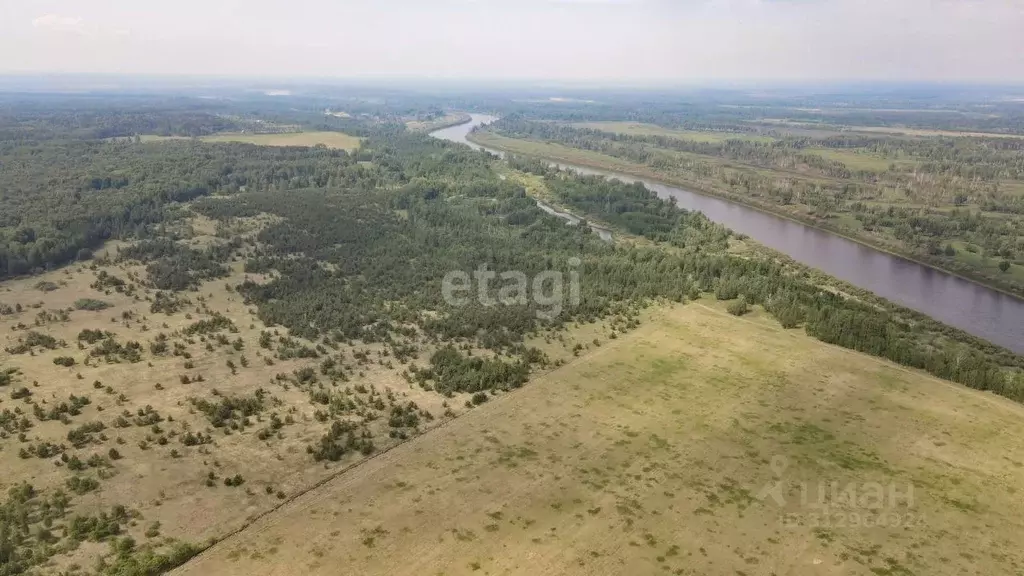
[893, 130]
[330, 139]
[700, 443]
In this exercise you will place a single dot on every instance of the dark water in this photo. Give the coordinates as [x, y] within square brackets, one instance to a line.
[986, 313]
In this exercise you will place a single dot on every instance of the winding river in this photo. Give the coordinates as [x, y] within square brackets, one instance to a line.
[981, 311]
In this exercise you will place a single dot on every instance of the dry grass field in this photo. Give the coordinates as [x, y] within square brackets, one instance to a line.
[700, 443]
[894, 130]
[329, 139]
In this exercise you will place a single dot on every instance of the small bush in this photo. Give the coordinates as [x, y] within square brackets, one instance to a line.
[738, 307]
[91, 304]
[82, 484]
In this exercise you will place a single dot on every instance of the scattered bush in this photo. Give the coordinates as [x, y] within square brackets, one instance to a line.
[91, 304]
[738, 307]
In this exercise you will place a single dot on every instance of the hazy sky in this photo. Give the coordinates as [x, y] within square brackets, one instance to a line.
[661, 40]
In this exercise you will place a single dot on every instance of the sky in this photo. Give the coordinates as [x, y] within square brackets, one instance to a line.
[674, 41]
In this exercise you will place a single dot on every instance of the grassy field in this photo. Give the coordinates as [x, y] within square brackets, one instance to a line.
[641, 129]
[329, 139]
[700, 443]
[895, 130]
[989, 264]
[156, 138]
[861, 159]
[855, 160]
[929, 133]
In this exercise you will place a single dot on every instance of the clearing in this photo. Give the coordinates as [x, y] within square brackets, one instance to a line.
[330, 139]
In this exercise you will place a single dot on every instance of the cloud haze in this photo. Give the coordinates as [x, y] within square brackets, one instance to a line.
[632, 40]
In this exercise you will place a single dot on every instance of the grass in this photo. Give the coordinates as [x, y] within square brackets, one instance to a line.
[329, 139]
[990, 265]
[155, 138]
[648, 455]
[861, 159]
[930, 133]
[642, 129]
[820, 129]
[556, 152]
[855, 160]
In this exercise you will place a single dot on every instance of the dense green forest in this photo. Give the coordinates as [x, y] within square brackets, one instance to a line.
[61, 199]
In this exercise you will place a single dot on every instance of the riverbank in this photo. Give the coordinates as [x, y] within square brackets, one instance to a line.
[504, 144]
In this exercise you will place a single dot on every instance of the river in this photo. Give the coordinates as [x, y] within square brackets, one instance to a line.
[981, 311]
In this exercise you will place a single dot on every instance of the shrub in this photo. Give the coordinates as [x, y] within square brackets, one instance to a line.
[82, 484]
[91, 304]
[738, 307]
[46, 286]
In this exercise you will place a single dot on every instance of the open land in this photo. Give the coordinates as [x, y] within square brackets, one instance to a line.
[330, 139]
[650, 453]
